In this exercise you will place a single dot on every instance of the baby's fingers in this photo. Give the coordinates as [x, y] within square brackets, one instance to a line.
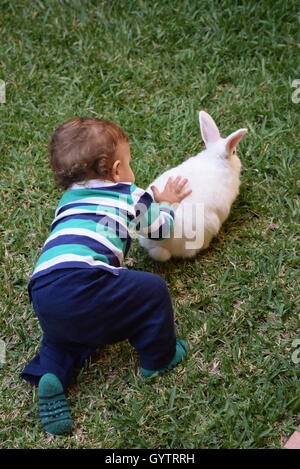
[183, 195]
[181, 184]
[155, 192]
[176, 182]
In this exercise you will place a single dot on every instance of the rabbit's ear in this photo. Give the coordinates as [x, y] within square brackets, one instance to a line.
[209, 130]
[234, 138]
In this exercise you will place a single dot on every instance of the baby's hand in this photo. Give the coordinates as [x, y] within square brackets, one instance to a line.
[173, 192]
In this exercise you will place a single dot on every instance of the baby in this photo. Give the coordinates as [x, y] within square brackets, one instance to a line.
[82, 295]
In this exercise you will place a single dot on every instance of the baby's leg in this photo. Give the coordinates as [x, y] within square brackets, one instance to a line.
[60, 359]
[153, 331]
[151, 322]
[181, 351]
[52, 370]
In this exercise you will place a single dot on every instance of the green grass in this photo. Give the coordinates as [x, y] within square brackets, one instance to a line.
[150, 66]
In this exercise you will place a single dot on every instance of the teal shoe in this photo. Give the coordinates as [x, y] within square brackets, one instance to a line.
[54, 410]
[181, 351]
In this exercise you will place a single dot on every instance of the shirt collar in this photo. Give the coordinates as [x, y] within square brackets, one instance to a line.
[93, 183]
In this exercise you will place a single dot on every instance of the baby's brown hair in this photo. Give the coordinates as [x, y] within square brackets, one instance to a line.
[83, 148]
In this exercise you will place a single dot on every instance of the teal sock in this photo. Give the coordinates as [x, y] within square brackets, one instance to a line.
[181, 351]
[54, 410]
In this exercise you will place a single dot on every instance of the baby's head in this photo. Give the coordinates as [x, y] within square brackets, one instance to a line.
[86, 148]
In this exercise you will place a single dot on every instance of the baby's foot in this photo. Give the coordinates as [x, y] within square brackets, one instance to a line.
[181, 351]
[54, 410]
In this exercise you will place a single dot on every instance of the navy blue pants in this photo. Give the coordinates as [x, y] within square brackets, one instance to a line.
[80, 310]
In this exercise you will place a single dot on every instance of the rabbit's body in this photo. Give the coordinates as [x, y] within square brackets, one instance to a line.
[214, 177]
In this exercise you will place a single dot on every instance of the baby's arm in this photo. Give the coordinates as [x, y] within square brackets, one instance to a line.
[155, 218]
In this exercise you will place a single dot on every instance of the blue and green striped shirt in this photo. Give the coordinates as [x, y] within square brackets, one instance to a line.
[94, 223]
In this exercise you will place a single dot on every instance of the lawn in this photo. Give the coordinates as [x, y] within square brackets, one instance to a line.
[150, 66]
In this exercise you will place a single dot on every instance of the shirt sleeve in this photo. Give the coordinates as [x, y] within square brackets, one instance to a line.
[152, 220]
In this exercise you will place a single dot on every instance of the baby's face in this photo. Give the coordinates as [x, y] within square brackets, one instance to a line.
[122, 171]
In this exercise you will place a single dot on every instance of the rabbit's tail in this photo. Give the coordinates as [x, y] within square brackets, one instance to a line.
[159, 253]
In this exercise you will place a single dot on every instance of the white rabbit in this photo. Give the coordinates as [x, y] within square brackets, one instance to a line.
[214, 177]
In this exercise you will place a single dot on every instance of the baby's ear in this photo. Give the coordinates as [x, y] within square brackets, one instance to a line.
[209, 130]
[234, 139]
[115, 170]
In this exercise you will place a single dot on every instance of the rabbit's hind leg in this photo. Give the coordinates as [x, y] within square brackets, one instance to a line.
[189, 253]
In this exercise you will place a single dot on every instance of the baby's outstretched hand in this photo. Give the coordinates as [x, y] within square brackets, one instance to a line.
[173, 192]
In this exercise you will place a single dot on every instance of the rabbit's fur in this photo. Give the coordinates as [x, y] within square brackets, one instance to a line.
[214, 177]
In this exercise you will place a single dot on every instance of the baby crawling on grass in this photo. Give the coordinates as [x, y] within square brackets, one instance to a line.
[80, 292]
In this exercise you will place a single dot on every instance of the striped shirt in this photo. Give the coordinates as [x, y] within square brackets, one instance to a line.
[94, 224]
